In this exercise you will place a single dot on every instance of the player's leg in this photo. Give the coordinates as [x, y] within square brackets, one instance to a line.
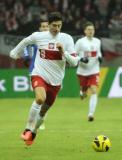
[42, 126]
[40, 97]
[39, 87]
[83, 86]
[92, 102]
[40, 117]
[44, 98]
[83, 92]
[34, 118]
[93, 82]
[51, 94]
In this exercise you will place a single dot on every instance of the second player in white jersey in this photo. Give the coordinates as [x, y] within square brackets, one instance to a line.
[90, 48]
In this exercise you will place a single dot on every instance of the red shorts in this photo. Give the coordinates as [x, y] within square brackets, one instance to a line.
[51, 91]
[87, 81]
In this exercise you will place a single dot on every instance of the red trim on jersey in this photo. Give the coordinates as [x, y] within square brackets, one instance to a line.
[90, 54]
[93, 53]
[50, 54]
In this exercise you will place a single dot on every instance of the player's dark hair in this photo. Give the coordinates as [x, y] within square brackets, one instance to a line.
[54, 16]
[39, 22]
[43, 20]
[88, 23]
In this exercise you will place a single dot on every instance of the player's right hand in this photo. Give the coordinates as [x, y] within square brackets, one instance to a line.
[60, 48]
[84, 60]
[13, 55]
[100, 59]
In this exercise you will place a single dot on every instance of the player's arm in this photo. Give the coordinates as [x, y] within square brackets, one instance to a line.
[70, 53]
[78, 49]
[72, 59]
[100, 59]
[19, 49]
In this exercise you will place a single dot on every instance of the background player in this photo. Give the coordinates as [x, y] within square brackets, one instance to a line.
[88, 69]
[54, 49]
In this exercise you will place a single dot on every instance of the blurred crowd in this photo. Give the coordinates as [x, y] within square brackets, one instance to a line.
[21, 17]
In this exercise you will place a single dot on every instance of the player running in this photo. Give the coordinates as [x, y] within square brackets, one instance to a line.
[54, 49]
[88, 69]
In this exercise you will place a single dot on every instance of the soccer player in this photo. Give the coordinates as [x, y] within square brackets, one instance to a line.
[89, 49]
[30, 52]
[54, 50]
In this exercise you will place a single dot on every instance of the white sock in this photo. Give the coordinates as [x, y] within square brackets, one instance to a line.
[92, 104]
[81, 93]
[34, 111]
[38, 120]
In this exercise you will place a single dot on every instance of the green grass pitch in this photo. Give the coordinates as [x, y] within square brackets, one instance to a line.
[68, 134]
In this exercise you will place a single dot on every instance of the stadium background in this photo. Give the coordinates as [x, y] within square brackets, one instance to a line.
[68, 134]
[19, 18]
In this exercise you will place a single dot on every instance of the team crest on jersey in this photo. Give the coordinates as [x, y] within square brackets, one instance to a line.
[51, 45]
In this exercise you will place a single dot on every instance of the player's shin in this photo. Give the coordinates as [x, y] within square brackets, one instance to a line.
[40, 117]
[34, 111]
[92, 104]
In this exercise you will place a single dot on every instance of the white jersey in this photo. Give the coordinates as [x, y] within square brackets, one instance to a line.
[48, 63]
[85, 47]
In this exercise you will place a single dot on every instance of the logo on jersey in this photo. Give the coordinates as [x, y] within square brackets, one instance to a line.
[51, 45]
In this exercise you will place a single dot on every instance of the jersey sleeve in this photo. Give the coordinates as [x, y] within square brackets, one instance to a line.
[17, 52]
[70, 53]
[78, 48]
[99, 49]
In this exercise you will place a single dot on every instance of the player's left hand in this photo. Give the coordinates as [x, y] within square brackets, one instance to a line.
[84, 60]
[100, 59]
[60, 48]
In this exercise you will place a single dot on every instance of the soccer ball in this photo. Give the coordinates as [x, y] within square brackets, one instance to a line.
[101, 143]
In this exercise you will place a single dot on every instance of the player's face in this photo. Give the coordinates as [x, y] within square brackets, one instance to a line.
[55, 27]
[44, 26]
[89, 31]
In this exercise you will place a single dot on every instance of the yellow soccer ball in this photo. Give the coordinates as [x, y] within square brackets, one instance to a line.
[101, 143]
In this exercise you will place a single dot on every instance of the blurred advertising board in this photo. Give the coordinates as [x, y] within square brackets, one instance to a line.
[16, 83]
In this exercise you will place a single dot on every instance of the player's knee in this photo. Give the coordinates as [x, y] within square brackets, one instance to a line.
[40, 100]
[83, 96]
[93, 92]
